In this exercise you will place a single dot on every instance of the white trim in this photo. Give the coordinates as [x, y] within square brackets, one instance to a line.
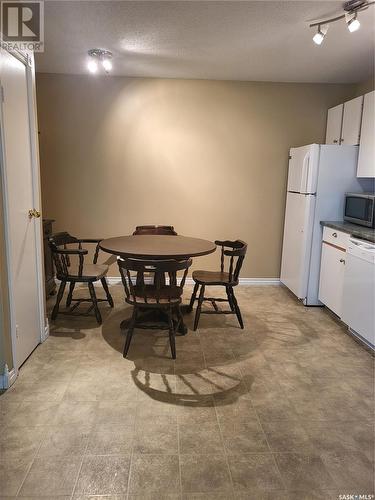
[24, 57]
[12, 313]
[115, 280]
[8, 378]
[30, 75]
[259, 281]
[45, 333]
[361, 339]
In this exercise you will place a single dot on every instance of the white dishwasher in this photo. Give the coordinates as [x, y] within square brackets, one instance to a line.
[358, 310]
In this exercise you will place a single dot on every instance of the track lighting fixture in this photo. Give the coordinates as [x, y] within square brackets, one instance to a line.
[351, 9]
[99, 57]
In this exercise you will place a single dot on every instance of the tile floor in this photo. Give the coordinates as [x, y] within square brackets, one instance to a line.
[280, 410]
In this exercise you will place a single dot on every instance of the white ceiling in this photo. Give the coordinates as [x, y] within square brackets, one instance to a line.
[249, 40]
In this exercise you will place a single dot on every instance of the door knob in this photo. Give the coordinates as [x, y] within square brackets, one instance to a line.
[34, 213]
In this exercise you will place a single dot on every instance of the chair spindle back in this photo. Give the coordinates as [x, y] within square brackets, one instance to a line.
[161, 230]
[61, 253]
[142, 292]
[236, 253]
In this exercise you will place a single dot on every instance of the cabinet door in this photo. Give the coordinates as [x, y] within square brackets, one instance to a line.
[332, 277]
[366, 159]
[334, 122]
[351, 122]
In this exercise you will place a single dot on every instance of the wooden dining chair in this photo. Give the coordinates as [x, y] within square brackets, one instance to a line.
[157, 230]
[235, 251]
[166, 230]
[66, 249]
[162, 294]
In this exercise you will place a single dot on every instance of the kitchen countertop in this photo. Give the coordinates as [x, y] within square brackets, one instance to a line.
[361, 232]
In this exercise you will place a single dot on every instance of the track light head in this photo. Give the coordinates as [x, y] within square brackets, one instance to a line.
[353, 23]
[318, 38]
[321, 33]
[107, 65]
[92, 66]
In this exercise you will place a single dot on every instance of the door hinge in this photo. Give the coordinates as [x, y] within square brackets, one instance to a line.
[2, 94]
[17, 332]
[289, 157]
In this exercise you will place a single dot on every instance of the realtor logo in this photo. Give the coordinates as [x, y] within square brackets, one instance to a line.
[22, 25]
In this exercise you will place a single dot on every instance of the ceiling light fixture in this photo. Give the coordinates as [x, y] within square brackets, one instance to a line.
[353, 23]
[99, 56]
[319, 36]
[92, 66]
[107, 64]
[351, 9]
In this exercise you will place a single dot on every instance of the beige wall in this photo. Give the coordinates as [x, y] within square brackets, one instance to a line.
[208, 157]
[364, 87]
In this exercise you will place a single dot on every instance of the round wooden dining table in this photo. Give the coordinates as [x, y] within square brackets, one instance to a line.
[157, 247]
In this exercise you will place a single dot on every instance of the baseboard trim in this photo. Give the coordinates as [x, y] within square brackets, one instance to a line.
[364, 342]
[259, 281]
[45, 332]
[114, 280]
[7, 378]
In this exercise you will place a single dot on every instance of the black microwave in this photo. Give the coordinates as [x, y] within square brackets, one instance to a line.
[360, 209]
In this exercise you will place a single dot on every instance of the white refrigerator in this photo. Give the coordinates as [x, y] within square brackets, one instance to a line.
[318, 178]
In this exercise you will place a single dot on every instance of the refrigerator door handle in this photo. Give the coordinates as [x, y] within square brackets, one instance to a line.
[305, 173]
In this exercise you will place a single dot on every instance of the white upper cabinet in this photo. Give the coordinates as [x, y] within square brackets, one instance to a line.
[351, 122]
[344, 123]
[334, 123]
[366, 159]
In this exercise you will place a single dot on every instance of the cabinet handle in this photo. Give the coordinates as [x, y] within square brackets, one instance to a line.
[335, 141]
[334, 235]
[342, 261]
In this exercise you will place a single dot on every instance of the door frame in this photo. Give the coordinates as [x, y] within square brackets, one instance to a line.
[27, 59]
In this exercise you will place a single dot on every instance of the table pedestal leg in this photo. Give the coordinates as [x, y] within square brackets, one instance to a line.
[156, 316]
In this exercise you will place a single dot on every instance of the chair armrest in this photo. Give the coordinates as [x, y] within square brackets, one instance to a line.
[224, 243]
[231, 244]
[89, 240]
[75, 251]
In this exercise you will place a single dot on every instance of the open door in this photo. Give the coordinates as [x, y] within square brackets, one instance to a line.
[21, 198]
